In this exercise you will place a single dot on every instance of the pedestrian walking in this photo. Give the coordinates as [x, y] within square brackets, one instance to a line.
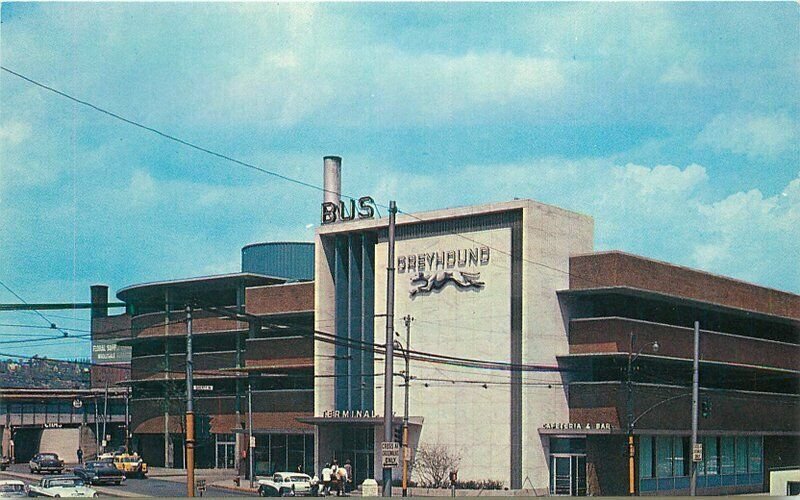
[349, 468]
[326, 474]
[341, 476]
[80, 456]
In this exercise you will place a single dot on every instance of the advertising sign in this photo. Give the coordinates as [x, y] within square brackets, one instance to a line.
[108, 351]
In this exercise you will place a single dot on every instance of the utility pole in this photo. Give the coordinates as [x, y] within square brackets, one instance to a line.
[631, 450]
[127, 421]
[388, 379]
[189, 406]
[407, 378]
[96, 427]
[105, 416]
[250, 443]
[695, 391]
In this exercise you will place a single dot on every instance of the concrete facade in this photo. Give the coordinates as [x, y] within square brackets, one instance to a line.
[514, 317]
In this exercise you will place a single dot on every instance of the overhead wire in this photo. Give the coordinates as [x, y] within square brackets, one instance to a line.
[39, 313]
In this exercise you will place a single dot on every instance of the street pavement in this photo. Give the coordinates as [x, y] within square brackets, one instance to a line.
[149, 487]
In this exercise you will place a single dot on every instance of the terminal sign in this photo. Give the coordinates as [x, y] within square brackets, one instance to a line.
[331, 212]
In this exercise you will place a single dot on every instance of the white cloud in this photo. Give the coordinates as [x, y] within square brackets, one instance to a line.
[14, 132]
[753, 135]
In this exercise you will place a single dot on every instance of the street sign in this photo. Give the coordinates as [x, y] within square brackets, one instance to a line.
[252, 441]
[105, 443]
[697, 452]
[390, 454]
[203, 387]
[77, 403]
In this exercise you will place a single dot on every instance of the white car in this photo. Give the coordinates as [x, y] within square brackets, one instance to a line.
[285, 484]
[61, 486]
[12, 488]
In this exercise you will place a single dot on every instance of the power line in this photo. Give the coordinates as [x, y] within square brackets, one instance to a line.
[257, 168]
[168, 136]
[15, 294]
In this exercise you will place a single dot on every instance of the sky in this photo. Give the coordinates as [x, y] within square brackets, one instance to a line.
[674, 125]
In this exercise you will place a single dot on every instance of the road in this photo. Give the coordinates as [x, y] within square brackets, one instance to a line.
[132, 487]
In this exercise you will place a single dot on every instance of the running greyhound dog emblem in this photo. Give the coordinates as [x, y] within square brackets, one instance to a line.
[423, 283]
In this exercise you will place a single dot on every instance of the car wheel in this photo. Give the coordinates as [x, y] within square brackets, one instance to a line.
[57, 496]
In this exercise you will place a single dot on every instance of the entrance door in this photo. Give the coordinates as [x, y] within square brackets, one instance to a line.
[568, 475]
[226, 451]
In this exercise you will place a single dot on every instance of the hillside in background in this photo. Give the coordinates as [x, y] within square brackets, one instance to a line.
[44, 373]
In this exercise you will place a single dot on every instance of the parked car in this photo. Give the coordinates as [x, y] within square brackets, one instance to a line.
[12, 488]
[61, 486]
[99, 472]
[46, 462]
[130, 465]
[285, 484]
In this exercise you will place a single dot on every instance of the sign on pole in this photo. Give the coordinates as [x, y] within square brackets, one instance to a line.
[697, 452]
[390, 454]
[252, 441]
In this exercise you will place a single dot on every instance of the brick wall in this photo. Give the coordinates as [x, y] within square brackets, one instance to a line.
[617, 269]
[280, 298]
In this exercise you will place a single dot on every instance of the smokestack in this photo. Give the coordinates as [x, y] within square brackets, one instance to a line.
[332, 179]
[99, 301]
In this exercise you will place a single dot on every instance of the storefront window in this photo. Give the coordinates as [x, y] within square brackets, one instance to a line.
[726, 455]
[710, 459]
[755, 453]
[645, 456]
[664, 456]
[741, 455]
[677, 457]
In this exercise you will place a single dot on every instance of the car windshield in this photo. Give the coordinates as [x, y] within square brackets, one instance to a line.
[48, 456]
[68, 483]
[11, 488]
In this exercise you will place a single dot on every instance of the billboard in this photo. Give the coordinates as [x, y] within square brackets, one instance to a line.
[108, 351]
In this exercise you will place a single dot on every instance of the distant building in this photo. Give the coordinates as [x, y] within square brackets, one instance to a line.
[61, 420]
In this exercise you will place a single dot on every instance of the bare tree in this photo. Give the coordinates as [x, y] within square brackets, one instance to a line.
[433, 463]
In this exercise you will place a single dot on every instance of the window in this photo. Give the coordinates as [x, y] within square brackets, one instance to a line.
[646, 456]
[726, 455]
[710, 458]
[755, 453]
[664, 456]
[678, 450]
[741, 455]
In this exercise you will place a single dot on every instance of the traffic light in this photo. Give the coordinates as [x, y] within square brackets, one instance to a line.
[705, 408]
[203, 426]
[398, 435]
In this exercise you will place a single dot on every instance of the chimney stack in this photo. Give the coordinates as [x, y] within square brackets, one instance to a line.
[332, 179]
[99, 301]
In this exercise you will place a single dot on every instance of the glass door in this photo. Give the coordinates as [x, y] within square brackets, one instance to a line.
[226, 451]
[568, 475]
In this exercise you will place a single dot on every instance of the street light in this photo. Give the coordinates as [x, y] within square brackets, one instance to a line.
[631, 450]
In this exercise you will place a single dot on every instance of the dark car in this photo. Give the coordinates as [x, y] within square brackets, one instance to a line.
[46, 462]
[99, 472]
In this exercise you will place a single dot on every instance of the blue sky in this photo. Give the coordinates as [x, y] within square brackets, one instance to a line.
[674, 125]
